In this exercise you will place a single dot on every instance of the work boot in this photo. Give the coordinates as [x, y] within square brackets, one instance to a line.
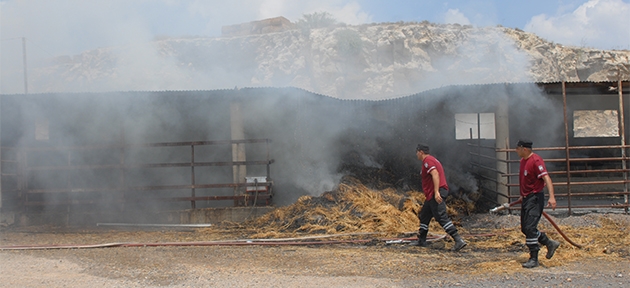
[531, 263]
[551, 248]
[459, 243]
[533, 260]
[419, 243]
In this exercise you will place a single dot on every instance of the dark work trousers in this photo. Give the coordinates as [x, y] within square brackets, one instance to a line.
[531, 211]
[431, 209]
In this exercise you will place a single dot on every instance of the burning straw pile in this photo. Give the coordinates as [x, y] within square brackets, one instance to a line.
[351, 208]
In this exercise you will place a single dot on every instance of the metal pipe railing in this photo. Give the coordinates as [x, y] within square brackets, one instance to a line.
[613, 173]
[26, 171]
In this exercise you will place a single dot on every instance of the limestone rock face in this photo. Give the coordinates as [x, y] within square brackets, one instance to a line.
[372, 61]
[554, 62]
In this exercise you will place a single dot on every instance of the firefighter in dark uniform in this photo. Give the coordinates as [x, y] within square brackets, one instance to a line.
[435, 190]
[533, 177]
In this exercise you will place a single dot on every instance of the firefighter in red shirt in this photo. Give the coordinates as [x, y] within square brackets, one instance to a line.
[435, 190]
[533, 177]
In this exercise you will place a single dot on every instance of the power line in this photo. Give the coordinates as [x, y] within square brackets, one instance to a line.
[6, 39]
[29, 40]
[40, 47]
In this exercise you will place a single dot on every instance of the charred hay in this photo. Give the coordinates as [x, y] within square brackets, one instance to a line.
[351, 208]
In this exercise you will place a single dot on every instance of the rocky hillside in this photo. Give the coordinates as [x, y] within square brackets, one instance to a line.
[372, 61]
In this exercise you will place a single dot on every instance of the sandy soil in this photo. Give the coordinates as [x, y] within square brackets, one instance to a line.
[488, 261]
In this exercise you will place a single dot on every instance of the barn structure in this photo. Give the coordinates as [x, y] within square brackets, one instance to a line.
[208, 156]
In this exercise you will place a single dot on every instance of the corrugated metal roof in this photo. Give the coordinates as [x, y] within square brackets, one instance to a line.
[626, 87]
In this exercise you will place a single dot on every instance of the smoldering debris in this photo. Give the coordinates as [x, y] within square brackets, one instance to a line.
[350, 208]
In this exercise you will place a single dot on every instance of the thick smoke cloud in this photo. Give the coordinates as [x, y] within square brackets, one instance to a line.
[133, 59]
[315, 139]
[341, 62]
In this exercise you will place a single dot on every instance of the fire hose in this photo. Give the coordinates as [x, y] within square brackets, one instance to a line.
[243, 242]
[553, 223]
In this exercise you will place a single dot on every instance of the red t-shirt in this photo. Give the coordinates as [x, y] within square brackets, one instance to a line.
[428, 164]
[531, 175]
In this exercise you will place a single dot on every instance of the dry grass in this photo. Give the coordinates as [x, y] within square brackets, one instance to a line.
[349, 209]
[607, 241]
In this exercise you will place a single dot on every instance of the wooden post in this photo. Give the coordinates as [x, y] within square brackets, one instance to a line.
[238, 149]
[502, 127]
[24, 63]
[622, 133]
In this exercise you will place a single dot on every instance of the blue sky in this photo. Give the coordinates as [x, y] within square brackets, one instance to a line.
[67, 27]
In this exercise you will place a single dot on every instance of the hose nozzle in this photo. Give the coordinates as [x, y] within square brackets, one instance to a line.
[499, 208]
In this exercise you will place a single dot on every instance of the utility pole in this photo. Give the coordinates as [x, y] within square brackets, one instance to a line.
[24, 58]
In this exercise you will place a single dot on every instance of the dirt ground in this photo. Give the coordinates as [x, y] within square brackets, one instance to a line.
[492, 259]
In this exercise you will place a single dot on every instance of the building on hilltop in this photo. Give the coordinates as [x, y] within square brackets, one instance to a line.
[270, 25]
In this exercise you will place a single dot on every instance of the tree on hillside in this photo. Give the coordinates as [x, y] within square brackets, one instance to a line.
[316, 20]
